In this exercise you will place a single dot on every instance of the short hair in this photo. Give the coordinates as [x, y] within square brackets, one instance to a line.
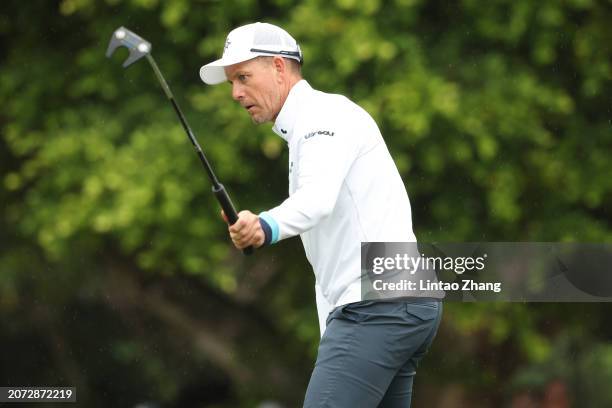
[293, 64]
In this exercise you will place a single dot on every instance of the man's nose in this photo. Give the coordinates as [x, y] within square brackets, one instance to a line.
[237, 91]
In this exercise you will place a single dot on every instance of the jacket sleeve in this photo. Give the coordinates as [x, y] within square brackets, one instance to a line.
[324, 155]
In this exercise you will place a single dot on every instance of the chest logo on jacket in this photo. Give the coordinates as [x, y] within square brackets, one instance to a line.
[318, 132]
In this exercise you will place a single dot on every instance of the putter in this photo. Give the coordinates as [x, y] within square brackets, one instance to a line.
[138, 48]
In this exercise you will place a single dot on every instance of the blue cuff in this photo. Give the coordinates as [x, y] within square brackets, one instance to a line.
[270, 227]
[267, 231]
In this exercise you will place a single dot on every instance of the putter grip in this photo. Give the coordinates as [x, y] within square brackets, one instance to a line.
[229, 210]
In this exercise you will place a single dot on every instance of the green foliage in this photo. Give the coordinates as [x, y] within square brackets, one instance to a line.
[497, 114]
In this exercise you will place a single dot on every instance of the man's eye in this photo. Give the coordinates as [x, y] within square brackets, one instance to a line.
[242, 78]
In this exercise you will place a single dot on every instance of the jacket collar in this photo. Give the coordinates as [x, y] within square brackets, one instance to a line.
[285, 121]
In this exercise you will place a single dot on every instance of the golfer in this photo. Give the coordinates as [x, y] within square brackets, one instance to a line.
[344, 189]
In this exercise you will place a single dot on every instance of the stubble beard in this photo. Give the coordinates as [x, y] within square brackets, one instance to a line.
[257, 119]
[269, 117]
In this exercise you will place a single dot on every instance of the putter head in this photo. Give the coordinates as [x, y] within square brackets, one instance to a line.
[122, 37]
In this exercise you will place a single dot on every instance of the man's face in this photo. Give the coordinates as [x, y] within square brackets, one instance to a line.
[256, 86]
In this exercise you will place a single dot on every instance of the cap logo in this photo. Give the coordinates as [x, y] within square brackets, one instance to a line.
[227, 44]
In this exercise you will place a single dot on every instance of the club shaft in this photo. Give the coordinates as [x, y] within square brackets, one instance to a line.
[201, 155]
[218, 189]
[179, 112]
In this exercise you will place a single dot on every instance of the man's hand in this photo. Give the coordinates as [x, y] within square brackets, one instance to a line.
[246, 231]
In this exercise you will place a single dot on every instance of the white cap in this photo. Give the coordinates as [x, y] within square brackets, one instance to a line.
[247, 42]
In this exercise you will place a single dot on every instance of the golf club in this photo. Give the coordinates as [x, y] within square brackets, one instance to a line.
[138, 48]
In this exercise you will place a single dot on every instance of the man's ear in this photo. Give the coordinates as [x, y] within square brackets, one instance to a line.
[279, 64]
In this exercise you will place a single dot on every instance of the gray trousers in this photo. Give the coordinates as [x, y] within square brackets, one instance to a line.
[369, 353]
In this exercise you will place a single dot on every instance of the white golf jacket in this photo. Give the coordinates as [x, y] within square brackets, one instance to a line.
[344, 189]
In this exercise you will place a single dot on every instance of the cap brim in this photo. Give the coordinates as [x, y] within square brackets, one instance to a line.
[214, 73]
